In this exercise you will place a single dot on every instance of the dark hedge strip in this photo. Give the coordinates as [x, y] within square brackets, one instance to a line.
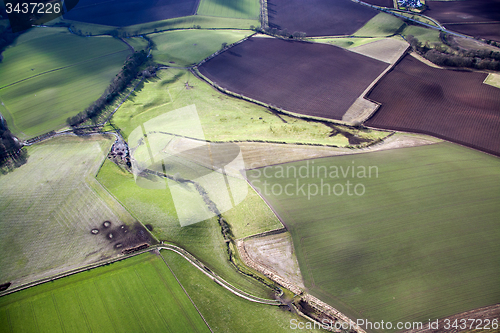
[129, 72]
[456, 56]
[12, 153]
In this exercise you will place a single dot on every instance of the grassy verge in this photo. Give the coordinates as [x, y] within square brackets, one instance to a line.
[407, 248]
[139, 294]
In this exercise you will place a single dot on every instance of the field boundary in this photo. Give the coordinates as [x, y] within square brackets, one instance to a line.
[314, 302]
[352, 116]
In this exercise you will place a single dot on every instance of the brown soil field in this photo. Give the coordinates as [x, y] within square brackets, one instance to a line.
[478, 318]
[308, 78]
[318, 17]
[452, 105]
[468, 16]
[383, 3]
[483, 30]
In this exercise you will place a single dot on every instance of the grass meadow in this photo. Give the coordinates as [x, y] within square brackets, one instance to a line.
[381, 25]
[203, 239]
[49, 206]
[188, 47]
[224, 311]
[240, 9]
[139, 294]
[222, 118]
[57, 75]
[421, 243]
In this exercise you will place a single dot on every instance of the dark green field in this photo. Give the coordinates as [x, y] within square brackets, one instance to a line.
[422, 242]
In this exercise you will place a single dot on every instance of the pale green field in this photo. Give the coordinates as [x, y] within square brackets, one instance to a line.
[49, 206]
[222, 118]
[139, 294]
[380, 26]
[241, 9]
[493, 80]
[419, 241]
[137, 43]
[423, 34]
[188, 47]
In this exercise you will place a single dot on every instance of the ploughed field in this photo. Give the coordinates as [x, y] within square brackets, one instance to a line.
[129, 12]
[318, 17]
[452, 105]
[470, 17]
[413, 237]
[383, 3]
[307, 78]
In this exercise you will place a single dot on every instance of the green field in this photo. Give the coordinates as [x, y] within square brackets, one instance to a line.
[380, 26]
[49, 206]
[241, 9]
[45, 49]
[139, 294]
[224, 311]
[61, 74]
[421, 243]
[188, 47]
[203, 239]
[186, 22]
[222, 118]
[423, 34]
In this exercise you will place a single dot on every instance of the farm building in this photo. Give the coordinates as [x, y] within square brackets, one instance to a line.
[410, 3]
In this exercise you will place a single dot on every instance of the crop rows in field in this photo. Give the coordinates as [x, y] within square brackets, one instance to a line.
[139, 294]
[307, 78]
[470, 17]
[415, 238]
[318, 17]
[383, 3]
[130, 12]
[452, 105]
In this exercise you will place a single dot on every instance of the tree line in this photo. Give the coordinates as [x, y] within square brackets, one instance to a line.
[12, 153]
[129, 71]
[456, 56]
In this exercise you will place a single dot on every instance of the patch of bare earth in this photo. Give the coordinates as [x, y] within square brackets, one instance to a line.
[258, 155]
[276, 253]
[471, 321]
